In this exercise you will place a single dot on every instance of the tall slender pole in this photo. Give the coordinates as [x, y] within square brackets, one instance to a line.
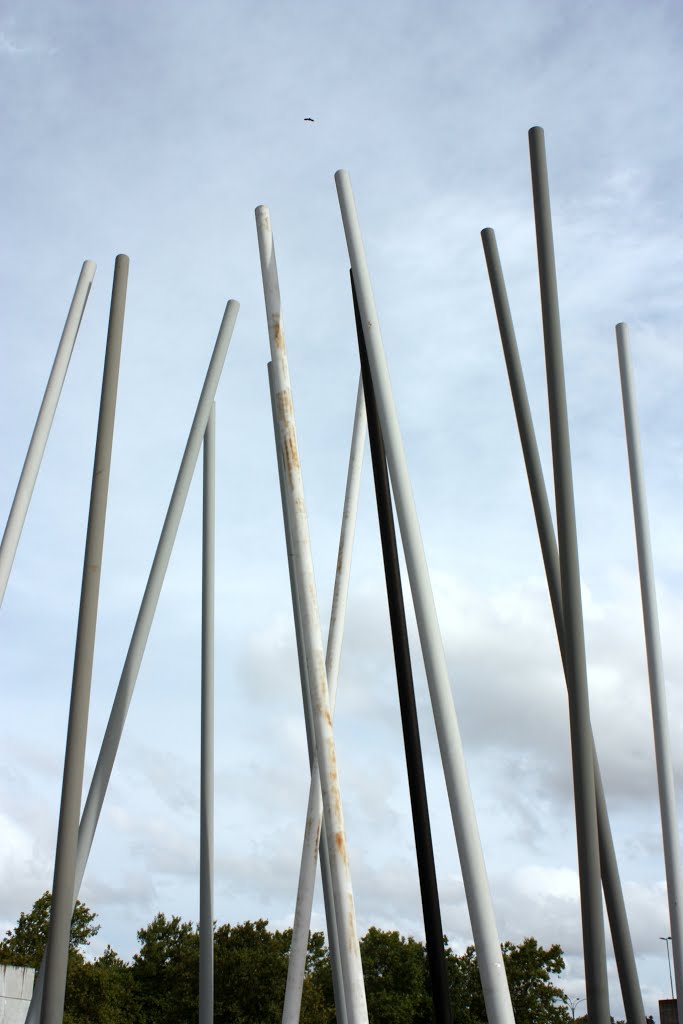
[489, 956]
[575, 654]
[41, 431]
[312, 831]
[354, 988]
[143, 623]
[429, 892]
[653, 644]
[207, 726]
[611, 883]
[61, 909]
[298, 950]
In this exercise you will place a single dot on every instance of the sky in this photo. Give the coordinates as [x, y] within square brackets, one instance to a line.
[155, 130]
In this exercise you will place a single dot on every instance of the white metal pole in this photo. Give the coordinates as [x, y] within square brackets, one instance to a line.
[298, 949]
[611, 883]
[207, 727]
[61, 909]
[354, 988]
[41, 431]
[489, 956]
[312, 830]
[143, 624]
[660, 721]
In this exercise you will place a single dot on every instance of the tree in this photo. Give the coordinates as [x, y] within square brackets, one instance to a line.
[102, 992]
[23, 946]
[396, 980]
[529, 969]
[251, 973]
[165, 971]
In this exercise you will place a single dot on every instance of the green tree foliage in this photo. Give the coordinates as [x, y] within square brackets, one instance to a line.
[23, 946]
[529, 968]
[161, 984]
[396, 981]
[165, 972]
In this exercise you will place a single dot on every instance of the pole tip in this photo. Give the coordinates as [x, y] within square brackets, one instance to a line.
[488, 234]
[536, 131]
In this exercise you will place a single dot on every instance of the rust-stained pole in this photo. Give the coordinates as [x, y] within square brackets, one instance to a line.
[429, 892]
[298, 949]
[207, 726]
[611, 883]
[354, 988]
[489, 956]
[655, 667]
[143, 623]
[61, 908]
[592, 923]
[312, 832]
[41, 431]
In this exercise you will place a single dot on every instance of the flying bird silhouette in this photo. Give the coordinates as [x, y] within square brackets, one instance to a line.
[309, 119]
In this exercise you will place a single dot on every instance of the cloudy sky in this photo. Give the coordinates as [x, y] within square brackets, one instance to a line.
[155, 130]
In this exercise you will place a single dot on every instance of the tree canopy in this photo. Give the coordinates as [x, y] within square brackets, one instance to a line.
[250, 966]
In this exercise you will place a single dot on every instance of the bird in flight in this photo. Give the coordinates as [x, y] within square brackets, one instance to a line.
[310, 119]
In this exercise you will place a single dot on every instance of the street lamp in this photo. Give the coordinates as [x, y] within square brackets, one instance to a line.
[574, 1002]
[667, 939]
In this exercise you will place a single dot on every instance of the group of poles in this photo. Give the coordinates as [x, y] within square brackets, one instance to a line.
[324, 832]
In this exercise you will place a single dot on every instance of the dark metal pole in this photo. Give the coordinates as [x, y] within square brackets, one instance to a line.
[206, 843]
[575, 653]
[611, 883]
[404, 677]
[61, 910]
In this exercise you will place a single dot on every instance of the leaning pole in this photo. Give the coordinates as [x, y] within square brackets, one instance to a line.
[61, 909]
[41, 431]
[655, 668]
[575, 653]
[313, 834]
[609, 869]
[480, 905]
[143, 624]
[354, 987]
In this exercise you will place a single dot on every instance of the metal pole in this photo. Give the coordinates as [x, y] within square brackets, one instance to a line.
[61, 909]
[667, 939]
[312, 830]
[298, 950]
[611, 883]
[575, 654]
[207, 726]
[660, 720]
[41, 431]
[489, 956]
[354, 988]
[429, 892]
[143, 624]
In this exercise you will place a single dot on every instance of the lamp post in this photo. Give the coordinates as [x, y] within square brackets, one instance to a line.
[574, 1002]
[667, 939]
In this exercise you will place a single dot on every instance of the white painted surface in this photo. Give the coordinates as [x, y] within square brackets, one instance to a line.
[16, 986]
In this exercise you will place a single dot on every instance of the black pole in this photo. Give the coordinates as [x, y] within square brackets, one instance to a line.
[611, 883]
[404, 677]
